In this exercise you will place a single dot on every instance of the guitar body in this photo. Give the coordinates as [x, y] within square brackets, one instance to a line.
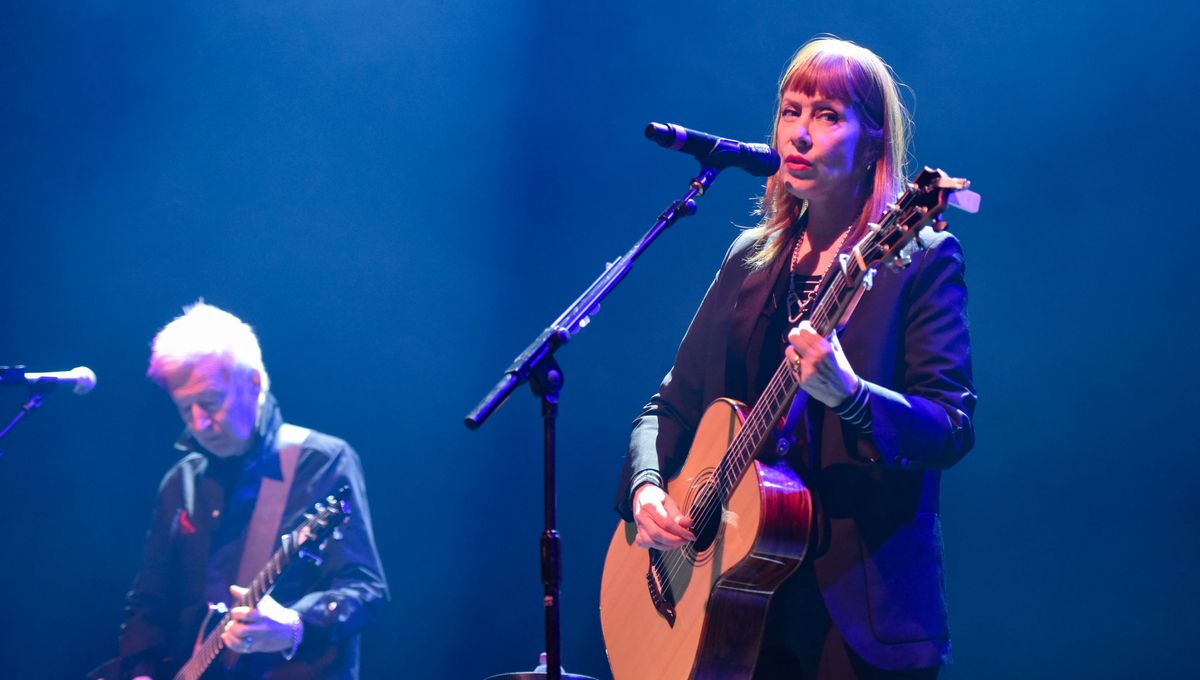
[716, 591]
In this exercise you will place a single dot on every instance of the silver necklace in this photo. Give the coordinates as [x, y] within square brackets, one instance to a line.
[795, 306]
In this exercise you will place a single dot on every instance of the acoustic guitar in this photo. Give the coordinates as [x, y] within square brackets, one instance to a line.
[698, 611]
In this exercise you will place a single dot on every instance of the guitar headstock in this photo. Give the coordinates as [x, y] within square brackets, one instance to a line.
[921, 205]
[323, 521]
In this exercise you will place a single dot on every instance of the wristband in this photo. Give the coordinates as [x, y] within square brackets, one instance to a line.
[297, 634]
[855, 410]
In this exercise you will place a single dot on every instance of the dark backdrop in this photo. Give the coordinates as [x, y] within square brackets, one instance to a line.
[400, 195]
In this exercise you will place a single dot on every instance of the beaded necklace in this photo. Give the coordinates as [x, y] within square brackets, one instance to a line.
[795, 306]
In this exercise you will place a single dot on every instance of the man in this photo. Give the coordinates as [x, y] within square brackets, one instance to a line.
[247, 478]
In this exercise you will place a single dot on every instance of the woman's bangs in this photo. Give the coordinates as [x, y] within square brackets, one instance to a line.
[838, 77]
[827, 75]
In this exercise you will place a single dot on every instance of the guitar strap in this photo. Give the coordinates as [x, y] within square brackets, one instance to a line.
[188, 492]
[268, 508]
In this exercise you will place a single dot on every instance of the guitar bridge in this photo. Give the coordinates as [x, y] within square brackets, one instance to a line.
[659, 585]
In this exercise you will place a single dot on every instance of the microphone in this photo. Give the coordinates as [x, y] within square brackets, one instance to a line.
[759, 160]
[81, 377]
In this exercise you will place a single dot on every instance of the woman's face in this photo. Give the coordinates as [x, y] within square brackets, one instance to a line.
[823, 147]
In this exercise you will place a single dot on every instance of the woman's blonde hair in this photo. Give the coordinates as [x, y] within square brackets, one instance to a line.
[842, 70]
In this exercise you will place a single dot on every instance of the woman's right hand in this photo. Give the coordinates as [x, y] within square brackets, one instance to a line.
[660, 524]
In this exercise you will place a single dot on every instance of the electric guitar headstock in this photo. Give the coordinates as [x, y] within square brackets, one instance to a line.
[322, 524]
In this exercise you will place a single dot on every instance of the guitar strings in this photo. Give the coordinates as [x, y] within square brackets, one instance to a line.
[725, 485]
[714, 496]
[199, 662]
[674, 559]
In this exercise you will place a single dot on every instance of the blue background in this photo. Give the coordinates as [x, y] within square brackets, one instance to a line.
[400, 195]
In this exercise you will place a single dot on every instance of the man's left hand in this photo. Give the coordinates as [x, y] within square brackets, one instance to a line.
[269, 627]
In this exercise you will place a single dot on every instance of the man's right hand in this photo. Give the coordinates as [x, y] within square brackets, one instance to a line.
[660, 524]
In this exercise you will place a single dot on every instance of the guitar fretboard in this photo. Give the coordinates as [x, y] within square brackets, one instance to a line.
[838, 293]
[212, 646]
[311, 534]
[777, 397]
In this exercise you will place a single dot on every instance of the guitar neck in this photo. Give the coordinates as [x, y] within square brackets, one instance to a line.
[839, 293]
[777, 397]
[211, 648]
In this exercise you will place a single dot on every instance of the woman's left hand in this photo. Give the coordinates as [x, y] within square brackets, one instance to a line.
[822, 366]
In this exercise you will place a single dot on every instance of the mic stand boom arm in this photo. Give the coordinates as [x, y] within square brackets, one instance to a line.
[579, 313]
[537, 364]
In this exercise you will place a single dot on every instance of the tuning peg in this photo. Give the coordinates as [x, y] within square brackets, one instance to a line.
[940, 223]
[868, 280]
[844, 263]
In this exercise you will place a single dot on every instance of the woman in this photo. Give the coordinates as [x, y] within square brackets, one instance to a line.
[889, 402]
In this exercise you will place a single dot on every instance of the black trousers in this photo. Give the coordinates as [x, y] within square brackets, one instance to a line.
[802, 643]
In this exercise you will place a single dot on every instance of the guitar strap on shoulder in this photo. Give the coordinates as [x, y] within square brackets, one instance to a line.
[188, 493]
[268, 508]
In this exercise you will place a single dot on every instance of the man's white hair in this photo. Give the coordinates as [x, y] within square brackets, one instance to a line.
[205, 331]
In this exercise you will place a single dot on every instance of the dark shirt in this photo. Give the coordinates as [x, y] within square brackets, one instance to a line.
[194, 547]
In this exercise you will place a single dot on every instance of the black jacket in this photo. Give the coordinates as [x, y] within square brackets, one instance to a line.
[879, 560]
[194, 546]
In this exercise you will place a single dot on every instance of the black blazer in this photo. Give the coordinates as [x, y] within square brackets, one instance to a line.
[878, 559]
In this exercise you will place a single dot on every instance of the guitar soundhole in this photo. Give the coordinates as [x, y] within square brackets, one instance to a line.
[704, 506]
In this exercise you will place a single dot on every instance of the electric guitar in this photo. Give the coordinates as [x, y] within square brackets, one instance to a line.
[305, 542]
[698, 611]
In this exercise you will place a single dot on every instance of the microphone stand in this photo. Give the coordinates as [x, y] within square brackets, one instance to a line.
[537, 365]
[36, 398]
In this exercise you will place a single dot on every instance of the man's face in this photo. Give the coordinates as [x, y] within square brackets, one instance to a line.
[218, 403]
